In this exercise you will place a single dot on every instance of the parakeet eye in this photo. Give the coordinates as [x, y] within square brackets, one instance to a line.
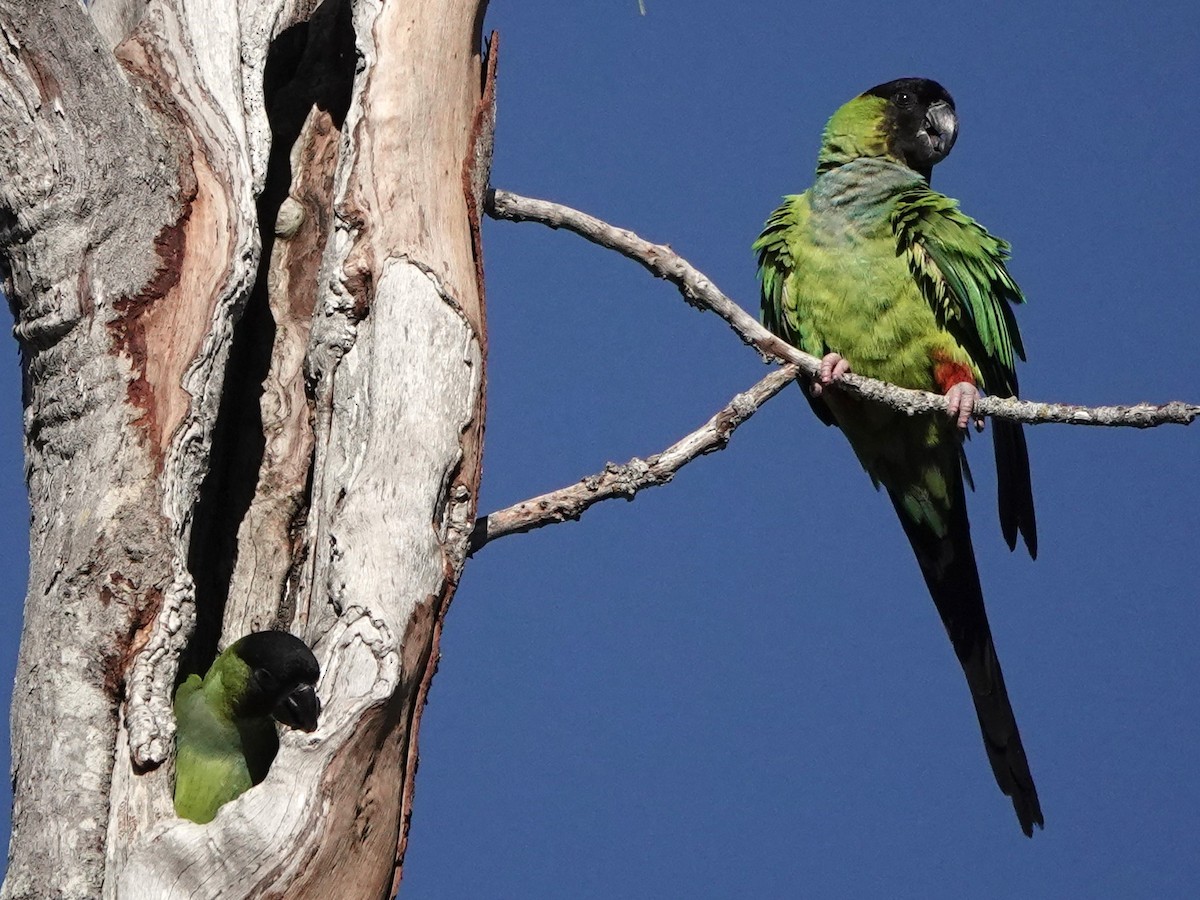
[905, 100]
[266, 681]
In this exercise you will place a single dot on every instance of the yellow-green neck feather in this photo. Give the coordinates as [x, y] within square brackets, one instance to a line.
[856, 130]
[225, 683]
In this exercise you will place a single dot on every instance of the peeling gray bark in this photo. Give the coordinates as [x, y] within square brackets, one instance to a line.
[241, 242]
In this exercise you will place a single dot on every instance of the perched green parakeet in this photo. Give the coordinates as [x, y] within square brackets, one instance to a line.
[226, 739]
[873, 271]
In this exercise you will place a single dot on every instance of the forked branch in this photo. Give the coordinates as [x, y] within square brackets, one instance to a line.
[626, 480]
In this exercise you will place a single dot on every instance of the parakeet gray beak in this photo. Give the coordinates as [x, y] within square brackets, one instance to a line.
[299, 709]
[940, 129]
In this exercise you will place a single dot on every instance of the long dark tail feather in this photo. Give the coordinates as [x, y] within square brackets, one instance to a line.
[1014, 489]
[948, 564]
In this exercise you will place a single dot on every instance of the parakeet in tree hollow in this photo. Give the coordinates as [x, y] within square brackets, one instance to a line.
[226, 739]
[874, 272]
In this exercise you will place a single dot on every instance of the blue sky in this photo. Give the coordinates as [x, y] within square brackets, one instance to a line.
[737, 686]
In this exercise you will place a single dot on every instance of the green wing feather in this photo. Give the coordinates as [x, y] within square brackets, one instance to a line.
[960, 268]
[775, 262]
[779, 311]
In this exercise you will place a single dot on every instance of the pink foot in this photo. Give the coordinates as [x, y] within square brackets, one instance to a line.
[960, 401]
[833, 367]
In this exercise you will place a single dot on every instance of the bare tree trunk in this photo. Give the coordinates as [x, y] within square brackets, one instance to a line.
[241, 244]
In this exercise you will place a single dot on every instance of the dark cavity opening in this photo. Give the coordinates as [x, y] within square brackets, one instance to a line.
[310, 64]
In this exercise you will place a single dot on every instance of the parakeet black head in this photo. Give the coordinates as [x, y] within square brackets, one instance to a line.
[918, 120]
[281, 681]
[910, 121]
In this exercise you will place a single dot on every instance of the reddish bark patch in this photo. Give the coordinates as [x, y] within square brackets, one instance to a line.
[477, 171]
[424, 633]
[130, 325]
[162, 327]
[49, 90]
[114, 578]
[359, 266]
[129, 328]
[360, 283]
[118, 655]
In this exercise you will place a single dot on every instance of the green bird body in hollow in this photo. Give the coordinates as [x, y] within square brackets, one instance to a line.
[876, 273]
[226, 737]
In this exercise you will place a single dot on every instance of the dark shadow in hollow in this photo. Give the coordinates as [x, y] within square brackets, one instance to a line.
[310, 64]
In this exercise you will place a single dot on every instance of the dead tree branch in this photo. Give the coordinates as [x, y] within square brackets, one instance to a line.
[700, 292]
[569, 503]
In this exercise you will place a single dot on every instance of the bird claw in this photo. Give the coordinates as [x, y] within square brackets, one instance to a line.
[960, 403]
[960, 399]
[833, 367]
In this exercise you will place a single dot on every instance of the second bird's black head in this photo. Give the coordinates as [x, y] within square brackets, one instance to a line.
[920, 123]
[282, 679]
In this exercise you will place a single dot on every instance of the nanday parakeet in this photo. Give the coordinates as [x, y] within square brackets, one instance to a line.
[226, 739]
[873, 271]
